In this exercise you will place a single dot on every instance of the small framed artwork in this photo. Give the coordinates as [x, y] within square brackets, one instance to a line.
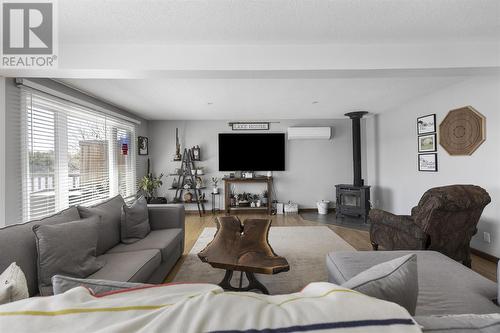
[143, 145]
[426, 124]
[427, 143]
[427, 162]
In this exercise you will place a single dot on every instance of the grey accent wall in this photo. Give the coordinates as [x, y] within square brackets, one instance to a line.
[2, 152]
[393, 154]
[313, 167]
[12, 135]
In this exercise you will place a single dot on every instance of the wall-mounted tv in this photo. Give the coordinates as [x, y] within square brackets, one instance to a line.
[252, 152]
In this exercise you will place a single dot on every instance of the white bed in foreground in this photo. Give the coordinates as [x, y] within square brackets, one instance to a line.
[186, 308]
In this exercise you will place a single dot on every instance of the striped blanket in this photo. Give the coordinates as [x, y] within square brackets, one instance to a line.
[321, 307]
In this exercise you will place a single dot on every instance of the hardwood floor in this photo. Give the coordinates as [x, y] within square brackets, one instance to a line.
[359, 239]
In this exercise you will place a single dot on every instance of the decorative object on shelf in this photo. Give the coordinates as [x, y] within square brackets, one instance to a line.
[215, 181]
[426, 124]
[279, 208]
[427, 143]
[200, 171]
[177, 156]
[174, 183]
[249, 126]
[247, 174]
[143, 143]
[188, 197]
[462, 131]
[149, 184]
[427, 162]
[196, 151]
[199, 182]
[189, 182]
[291, 208]
[264, 198]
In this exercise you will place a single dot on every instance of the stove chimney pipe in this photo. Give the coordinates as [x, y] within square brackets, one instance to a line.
[356, 143]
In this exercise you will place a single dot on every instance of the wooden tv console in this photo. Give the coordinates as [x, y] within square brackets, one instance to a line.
[259, 179]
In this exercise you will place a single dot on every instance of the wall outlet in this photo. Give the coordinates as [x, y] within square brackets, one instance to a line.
[487, 237]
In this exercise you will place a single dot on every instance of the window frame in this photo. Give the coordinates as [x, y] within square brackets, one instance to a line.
[112, 125]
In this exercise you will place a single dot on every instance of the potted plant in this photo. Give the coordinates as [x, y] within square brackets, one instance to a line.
[148, 186]
[256, 200]
[215, 181]
[264, 198]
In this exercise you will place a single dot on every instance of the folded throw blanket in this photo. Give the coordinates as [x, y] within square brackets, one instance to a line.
[320, 306]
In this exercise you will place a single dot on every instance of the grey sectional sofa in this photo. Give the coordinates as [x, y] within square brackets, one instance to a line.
[147, 261]
[446, 287]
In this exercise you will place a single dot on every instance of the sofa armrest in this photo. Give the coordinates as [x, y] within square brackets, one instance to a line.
[166, 216]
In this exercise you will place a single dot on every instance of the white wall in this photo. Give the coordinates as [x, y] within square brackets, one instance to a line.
[393, 161]
[313, 167]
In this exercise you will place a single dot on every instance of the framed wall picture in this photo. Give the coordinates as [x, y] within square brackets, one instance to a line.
[426, 124]
[143, 144]
[427, 143]
[427, 162]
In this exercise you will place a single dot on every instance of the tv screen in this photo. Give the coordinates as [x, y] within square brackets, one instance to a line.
[252, 152]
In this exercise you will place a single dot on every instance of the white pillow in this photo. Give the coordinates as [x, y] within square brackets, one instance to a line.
[13, 285]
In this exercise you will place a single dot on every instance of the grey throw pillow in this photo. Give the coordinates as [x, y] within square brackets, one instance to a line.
[66, 248]
[110, 212]
[135, 221]
[61, 284]
[394, 281]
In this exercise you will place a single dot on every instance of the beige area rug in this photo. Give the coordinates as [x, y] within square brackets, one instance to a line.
[305, 248]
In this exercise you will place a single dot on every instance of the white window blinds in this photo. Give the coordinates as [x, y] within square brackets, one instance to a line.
[72, 155]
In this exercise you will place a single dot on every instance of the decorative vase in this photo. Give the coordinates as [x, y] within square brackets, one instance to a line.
[258, 203]
[264, 201]
[188, 197]
[215, 190]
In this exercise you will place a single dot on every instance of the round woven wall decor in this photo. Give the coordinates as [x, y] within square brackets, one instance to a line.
[462, 131]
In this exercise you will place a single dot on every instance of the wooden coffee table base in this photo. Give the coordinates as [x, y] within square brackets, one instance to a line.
[253, 283]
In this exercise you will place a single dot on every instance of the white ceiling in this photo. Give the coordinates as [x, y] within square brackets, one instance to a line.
[182, 45]
[253, 99]
[278, 21]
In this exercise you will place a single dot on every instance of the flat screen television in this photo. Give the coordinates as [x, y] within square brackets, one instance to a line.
[252, 152]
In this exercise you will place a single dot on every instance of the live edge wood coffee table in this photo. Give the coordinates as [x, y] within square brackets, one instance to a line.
[243, 248]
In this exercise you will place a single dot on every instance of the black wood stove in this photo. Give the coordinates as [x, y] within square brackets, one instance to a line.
[354, 200]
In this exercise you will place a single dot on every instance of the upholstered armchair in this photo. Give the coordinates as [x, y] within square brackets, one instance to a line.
[444, 220]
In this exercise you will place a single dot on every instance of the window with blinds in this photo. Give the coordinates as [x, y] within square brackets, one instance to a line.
[72, 155]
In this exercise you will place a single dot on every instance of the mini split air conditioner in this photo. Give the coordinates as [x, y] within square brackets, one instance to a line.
[303, 133]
